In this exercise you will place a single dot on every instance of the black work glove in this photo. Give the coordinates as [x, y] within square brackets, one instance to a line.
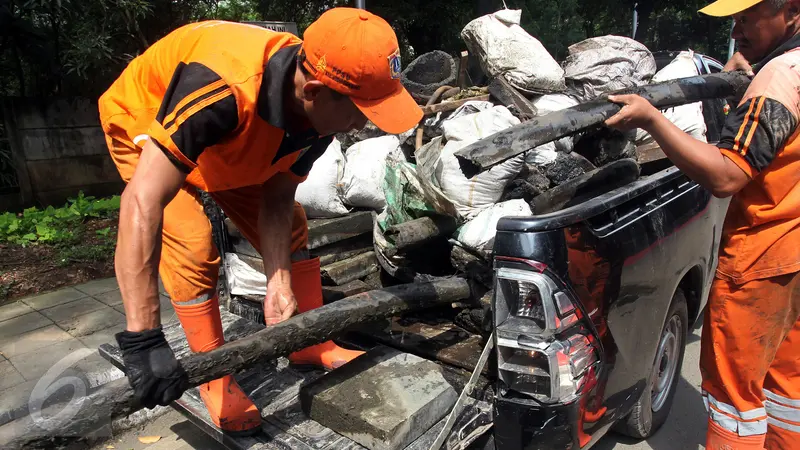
[156, 377]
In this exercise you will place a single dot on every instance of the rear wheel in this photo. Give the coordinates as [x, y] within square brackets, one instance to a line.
[651, 410]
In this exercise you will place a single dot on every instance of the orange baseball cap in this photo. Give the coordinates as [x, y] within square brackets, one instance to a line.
[355, 53]
[724, 8]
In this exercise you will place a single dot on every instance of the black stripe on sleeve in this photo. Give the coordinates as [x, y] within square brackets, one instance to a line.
[206, 127]
[186, 78]
[775, 125]
[192, 103]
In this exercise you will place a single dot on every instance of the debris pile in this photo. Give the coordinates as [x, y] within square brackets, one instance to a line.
[401, 208]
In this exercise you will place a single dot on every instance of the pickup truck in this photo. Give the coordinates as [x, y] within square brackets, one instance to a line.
[592, 306]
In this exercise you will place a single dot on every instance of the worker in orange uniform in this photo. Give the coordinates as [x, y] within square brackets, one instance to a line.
[242, 113]
[750, 357]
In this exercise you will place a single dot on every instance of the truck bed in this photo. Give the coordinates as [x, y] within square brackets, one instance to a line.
[274, 387]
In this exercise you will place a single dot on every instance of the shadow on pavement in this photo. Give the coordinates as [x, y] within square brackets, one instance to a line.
[685, 427]
[193, 437]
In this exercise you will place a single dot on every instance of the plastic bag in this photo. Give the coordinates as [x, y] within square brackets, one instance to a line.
[406, 198]
[319, 193]
[242, 279]
[440, 170]
[688, 118]
[607, 63]
[364, 171]
[478, 234]
[505, 49]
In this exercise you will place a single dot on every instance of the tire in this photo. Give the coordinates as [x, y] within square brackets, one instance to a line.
[651, 410]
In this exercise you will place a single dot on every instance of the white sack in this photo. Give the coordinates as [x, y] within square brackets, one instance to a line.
[688, 118]
[607, 63]
[504, 48]
[478, 234]
[546, 104]
[319, 194]
[242, 279]
[542, 155]
[440, 170]
[364, 171]
[433, 124]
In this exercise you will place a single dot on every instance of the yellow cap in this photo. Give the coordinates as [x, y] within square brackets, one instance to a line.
[724, 8]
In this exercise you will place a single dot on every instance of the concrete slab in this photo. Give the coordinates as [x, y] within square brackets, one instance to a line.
[94, 321]
[13, 310]
[15, 401]
[97, 287]
[54, 298]
[110, 298]
[12, 328]
[383, 400]
[9, 376]
[35, 340]
[33, 368]
[72, 310]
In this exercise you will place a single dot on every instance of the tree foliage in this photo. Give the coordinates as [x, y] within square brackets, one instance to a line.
[77, 47]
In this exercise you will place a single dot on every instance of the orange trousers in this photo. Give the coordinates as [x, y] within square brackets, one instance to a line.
[750, 362]
[189, 266]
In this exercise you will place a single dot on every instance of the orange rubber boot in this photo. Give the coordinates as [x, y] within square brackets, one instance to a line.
[307, 289]
[229, 407]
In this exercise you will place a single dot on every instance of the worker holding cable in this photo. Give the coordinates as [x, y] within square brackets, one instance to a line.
[750, 349]
[242, 113]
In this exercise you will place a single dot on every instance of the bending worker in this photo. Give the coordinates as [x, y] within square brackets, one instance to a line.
[242, 113]
[751, 331]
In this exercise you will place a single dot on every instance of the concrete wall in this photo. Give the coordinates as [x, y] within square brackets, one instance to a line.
[59, 149]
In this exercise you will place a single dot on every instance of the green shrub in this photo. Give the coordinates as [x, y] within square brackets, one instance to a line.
[55, 226]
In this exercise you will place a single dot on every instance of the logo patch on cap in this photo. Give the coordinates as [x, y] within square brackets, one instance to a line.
[395, 67]
[321, 65]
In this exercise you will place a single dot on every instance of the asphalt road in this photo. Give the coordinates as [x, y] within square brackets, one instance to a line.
[685, 428]
[686, 425]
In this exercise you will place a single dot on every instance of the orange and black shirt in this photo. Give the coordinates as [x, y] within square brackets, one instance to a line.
[761, 236]
[212, 96]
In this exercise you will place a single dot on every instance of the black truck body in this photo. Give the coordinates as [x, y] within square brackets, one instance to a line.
[620, 258]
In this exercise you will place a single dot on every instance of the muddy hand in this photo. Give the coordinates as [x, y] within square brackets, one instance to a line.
[738, 62]
[636, 112]
[279, 304]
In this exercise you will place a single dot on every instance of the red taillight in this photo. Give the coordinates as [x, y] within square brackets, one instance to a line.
[538, 354]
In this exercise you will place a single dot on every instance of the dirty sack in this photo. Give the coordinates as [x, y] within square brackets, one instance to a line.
[242, 279]
[547, 104]
[688, 118]
[604, 64]
[364, 171]
[433, 124]
[440, 170]
[504, 49]
[319, 193]
[478, 234]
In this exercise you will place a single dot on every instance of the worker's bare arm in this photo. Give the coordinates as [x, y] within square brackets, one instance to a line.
[702, 162]
[275, 232]
[153, 186]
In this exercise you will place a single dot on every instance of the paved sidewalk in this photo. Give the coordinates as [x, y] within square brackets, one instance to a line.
[57, 334]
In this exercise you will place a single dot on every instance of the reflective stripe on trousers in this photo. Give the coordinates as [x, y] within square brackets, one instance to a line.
[782, 412]
[743, 423]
